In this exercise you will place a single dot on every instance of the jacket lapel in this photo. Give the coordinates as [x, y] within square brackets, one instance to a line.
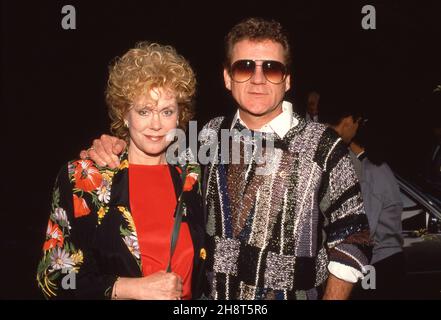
[120, 202]
[176, 178]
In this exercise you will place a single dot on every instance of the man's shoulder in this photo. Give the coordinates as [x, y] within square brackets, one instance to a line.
[320, 129]
[327, 145]
[319, 136]
[214, 123]
[380, 175]
[209, 132]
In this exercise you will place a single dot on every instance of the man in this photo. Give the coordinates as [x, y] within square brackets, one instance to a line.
[312, 107]
[276, 235]
[382, 202]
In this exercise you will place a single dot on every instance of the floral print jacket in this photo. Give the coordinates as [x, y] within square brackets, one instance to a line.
[91, 237]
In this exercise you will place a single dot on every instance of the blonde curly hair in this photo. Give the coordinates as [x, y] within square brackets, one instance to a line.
[148, 66]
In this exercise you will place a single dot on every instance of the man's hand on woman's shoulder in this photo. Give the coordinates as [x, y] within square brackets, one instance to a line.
[105, 151]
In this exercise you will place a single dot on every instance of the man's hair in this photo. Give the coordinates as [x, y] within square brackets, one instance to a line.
[337, 104]
[145, 67]
[257, 29]
[374, 141]
[335, 116]
[313, 93]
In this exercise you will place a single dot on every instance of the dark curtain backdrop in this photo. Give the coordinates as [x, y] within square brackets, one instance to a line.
[53, 82]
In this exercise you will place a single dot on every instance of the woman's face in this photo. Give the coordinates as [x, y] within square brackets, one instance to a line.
[152, 116]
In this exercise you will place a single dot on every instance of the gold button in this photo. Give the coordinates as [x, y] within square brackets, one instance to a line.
[203, 254]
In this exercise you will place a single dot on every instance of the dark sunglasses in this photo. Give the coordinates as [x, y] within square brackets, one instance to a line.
[274, 71]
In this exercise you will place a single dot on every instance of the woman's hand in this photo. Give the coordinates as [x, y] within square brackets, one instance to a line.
[157, 286]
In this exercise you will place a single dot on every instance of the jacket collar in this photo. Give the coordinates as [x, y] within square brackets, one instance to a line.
[280, 125]
[292, 122]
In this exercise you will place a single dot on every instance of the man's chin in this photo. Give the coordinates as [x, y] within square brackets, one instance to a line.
[258, 111]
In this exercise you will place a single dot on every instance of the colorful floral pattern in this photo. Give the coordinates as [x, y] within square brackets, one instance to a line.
[193, 173]
[59, 254]
[190, 180]
[91, 193]
[86, 175]
[129, 235]
[80, 207]
[54, 236]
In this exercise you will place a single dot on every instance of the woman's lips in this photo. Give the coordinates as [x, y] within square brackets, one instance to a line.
[154, 138]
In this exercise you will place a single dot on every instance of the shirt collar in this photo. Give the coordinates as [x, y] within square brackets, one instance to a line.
[279, 125]
[361, 155]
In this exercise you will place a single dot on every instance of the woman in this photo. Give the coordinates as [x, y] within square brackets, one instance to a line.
[109, 232]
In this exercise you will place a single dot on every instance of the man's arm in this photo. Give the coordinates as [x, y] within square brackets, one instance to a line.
[105, 151]
[337, 289]
[347, 229]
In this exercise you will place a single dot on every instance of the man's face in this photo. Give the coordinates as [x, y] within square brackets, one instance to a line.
[350, 127]
[259, 100]
[312, 104]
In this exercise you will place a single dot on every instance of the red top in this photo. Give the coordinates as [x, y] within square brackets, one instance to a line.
[153, 201]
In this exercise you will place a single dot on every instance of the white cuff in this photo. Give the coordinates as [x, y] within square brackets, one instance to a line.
[344, 272]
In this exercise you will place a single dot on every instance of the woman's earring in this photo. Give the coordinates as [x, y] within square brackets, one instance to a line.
[126, 123]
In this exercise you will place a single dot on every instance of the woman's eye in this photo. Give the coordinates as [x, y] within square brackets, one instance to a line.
[168, 113]
[144, 112]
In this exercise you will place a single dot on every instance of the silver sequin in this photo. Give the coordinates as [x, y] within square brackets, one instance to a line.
[226, 255]
[279, 271]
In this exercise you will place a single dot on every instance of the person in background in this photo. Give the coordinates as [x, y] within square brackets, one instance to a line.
[382, 202]
[384, 207]
[312, 107]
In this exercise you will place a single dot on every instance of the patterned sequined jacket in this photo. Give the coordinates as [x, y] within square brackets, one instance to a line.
[272, 236]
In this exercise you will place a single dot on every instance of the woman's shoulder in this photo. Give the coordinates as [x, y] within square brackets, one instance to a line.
[86, 175]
